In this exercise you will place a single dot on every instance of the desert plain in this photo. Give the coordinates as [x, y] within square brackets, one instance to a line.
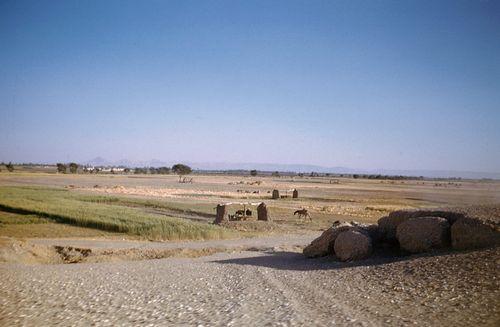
[81, 249]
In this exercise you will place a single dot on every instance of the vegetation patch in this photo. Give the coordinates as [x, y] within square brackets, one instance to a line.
[147, 203]
[65, 207]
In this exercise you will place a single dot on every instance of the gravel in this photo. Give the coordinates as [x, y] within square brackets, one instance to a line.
[257, 288]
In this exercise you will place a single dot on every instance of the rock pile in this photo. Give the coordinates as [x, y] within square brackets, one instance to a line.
[410, 231]
[327, 243]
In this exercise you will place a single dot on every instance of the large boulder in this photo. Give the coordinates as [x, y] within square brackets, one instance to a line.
[450, 216]
[389, 224]
[323, 245]
[352, 245]
[423, 234]
[472, 233]
[371, 230]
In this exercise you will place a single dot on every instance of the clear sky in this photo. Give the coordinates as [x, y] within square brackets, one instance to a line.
[362, 84]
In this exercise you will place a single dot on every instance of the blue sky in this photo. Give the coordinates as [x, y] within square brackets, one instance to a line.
[362, 84]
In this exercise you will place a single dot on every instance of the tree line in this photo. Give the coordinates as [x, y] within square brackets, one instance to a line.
[179, 169]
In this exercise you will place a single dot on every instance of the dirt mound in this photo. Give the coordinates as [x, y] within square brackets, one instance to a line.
[18, 251]
[70, 254]
[423, 234]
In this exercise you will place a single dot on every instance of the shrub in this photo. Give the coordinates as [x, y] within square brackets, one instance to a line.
[10, 167]
[73, 167]
[163, 170]
[61, 168]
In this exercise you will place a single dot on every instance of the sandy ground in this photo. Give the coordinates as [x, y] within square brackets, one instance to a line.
[272, 284]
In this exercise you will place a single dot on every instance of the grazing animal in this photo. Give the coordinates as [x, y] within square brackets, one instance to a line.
[303, 213]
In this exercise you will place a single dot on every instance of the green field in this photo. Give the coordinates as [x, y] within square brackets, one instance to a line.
[39, 205]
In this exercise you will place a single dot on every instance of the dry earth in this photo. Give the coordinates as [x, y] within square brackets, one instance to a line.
[261, 281]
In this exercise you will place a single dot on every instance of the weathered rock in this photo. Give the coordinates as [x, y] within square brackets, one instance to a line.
[471, 233]
[371, 230]
[389, 224]
[450, 216]
[352, 245]
[323, 245]
[221, 214]
[423, 234]
[262, 213]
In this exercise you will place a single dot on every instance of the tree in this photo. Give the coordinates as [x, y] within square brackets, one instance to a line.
[253, 172]
[140, 171]
[61, 168]
[181, 169]
[126, 170]
[10, 167]
[276, 174]
[73, 167]
[163, 170]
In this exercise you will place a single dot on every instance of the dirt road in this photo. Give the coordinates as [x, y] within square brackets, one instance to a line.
[272, 286]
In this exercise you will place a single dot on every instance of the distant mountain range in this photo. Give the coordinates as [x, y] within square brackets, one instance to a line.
[299, 168]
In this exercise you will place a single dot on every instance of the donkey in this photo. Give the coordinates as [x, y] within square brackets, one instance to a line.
[303, 213]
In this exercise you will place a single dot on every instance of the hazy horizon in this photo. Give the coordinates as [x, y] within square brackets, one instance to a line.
[357, 84]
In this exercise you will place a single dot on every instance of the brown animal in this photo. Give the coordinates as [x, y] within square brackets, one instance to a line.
[303, 213]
